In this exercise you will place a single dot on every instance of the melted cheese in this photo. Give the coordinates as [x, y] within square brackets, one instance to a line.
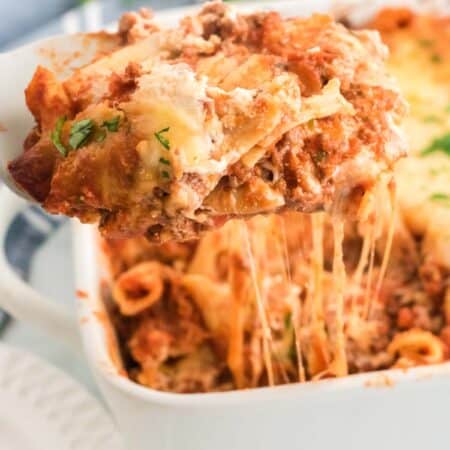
[338, 365]
[389, 239]
[419, 179]
[266, 332]
[319, 358]
[171, 96]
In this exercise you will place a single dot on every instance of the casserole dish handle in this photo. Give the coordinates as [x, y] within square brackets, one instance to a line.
[20, 299]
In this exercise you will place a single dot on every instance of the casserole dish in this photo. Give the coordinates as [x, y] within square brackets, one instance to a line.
[390, 409]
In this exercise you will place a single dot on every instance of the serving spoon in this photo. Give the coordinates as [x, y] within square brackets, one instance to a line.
[62, 54]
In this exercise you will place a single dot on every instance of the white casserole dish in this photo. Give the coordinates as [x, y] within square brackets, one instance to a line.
[392, 409]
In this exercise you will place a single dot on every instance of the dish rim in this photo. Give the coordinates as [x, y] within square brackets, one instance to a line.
[95, 338]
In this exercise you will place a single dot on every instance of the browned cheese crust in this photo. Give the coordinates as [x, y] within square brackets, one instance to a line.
[227, 115]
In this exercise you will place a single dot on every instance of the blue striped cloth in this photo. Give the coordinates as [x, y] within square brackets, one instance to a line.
[27, 232]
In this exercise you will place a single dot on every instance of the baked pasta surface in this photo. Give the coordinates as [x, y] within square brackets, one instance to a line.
[177, 130]
[189, 317]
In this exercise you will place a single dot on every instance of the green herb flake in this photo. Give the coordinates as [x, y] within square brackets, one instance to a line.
[56, 136]
[164, 161]
[165, 174]
[80, 133]
[440, 198]
[436, 59]
[441, 144]
[162, 139]
[112, 124]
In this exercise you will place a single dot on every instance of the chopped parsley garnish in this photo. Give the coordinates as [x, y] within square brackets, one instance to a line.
[112, 124]
[162, 139]
[165, 174]
[441, 198]
[80, 133]
[441, 144]
[435, 58]
[164, 161]
[56, 136]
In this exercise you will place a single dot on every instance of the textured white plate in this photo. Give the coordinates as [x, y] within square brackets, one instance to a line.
[43, 409]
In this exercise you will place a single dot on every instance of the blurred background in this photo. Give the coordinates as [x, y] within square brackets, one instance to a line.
[26, 20]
